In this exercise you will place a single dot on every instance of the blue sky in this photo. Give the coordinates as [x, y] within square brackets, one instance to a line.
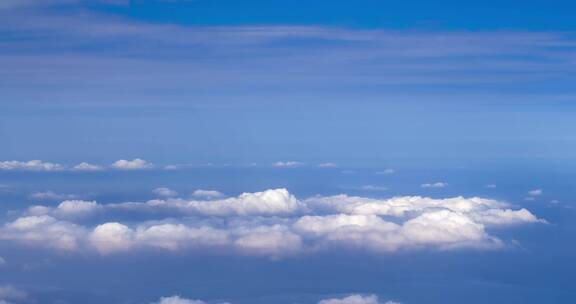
[330, 152]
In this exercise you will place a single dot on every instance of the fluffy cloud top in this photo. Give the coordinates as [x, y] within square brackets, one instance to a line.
[134, 164]
[274, 223]
[178, 300]
[68, 209]
[356, 299]
[86, 167]
[32, 165]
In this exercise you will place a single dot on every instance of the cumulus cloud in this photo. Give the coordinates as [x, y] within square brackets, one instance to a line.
[135, 164]
[32, 165]
[535, 192]
[87, 167]
[68, 209]
[9, 294]
[287, 164]
[45, 231]
[274, 223]
[165, 192]
[178, 300]
[207, 193]
[434, 185]
[327, 165]
[356, 299]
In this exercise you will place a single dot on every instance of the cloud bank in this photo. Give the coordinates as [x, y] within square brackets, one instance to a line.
[32, 165]
[352, 299]
[272, 223]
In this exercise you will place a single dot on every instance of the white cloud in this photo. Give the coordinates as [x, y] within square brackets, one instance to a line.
[386, 172]
[535, 192]
[32, 165]
[490, 186]
[178, 300]
[9, 293]
[112, 237]
[287, 164]
[87, 167]
[274, 223]
[434, 185]
[68, 209]
[165, 192]
[135, 164]
[51, 195]
[356, 299]
[44, 231]
[77, 209]
[276, 240]
[327, 165]
[210, 194]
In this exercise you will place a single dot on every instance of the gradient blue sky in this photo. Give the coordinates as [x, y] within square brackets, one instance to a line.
[371, 99]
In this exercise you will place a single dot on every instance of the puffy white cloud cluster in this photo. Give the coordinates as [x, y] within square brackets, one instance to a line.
[352, 299]
[356, 299]
[273, 223]
[83, 166]
[135, 164]
[38, 165]
[269, 202]
[68, 209]
[32, 165]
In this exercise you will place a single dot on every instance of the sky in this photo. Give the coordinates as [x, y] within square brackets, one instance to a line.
[287, 152]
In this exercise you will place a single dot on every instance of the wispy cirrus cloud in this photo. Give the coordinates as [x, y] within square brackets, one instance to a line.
[434, 185]
[203, 57]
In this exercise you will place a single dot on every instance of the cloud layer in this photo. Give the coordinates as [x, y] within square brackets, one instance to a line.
[271, 223]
